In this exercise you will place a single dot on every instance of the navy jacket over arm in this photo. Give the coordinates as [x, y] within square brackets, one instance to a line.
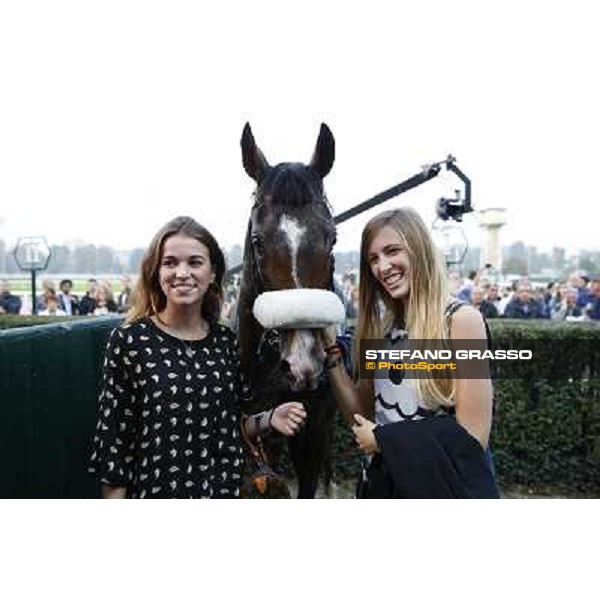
[429, 458]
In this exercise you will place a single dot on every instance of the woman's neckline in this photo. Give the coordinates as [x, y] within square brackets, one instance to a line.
[162, 331]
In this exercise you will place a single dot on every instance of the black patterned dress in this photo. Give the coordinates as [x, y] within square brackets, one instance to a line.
[169, 414]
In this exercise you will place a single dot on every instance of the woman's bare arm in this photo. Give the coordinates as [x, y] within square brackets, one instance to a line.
[351, 398]
[473, 396]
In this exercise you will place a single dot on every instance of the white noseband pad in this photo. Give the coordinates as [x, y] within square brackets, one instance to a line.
[298, 309]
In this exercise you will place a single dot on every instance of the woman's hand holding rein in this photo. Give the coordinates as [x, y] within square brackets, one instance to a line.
[286, 419]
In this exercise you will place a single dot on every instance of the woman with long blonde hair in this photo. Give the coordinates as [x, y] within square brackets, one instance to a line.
[402, 295]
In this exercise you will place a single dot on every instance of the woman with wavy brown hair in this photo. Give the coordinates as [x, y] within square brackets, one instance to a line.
[172, 392]
[426, 436]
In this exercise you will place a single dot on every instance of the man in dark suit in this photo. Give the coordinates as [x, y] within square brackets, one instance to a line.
[66, 300]
[523, 306]
[9, 303]
[88, 302]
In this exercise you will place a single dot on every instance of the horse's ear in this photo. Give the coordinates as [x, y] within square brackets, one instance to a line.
[254, 160]
[324, 154]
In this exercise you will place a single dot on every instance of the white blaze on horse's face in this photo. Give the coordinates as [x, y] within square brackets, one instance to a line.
[293, 232]
[299, 347]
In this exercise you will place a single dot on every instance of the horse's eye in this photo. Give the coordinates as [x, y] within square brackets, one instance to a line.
[331, 239]
[258, 242]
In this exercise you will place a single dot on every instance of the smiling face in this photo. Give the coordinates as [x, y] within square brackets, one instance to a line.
[390, 263]
[185, 271]
[102, 294]
[571, 297]
[523, 293]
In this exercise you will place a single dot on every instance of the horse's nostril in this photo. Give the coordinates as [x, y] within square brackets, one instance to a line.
[284, 365]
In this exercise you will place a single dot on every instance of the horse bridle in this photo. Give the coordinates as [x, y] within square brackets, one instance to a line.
[270, 338]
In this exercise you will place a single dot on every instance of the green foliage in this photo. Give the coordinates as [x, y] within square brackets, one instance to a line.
[14, 321]
[344, 452]
[548, 431]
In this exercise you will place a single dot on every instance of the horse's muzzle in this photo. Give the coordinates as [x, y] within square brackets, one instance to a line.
[302, 359]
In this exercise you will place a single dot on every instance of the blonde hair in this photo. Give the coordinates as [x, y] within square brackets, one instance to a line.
[424, 317]
[104, 287]
[147, 297]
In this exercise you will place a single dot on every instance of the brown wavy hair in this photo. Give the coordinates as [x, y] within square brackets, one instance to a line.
[148, 298]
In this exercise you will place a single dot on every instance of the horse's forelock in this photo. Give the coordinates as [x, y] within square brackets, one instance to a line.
[292, 184]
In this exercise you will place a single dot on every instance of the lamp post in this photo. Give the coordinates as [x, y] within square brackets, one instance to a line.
[451, 240]
[32, 254]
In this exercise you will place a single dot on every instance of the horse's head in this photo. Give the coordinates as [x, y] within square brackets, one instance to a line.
[289, 246]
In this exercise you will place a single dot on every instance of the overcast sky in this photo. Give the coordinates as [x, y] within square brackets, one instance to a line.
[117, 116]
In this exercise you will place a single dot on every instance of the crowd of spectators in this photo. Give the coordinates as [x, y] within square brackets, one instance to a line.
[576, 299]
[98, 299]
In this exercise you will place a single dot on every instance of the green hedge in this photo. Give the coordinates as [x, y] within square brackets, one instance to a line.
[547, 432]
[15, 321]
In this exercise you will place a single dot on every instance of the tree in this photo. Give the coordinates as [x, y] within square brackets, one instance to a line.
[135, 259]
[515, 259]
[86, 259]
[105, 259]
[471, 261]
[8, 266]
[588, 263]
[515, 265]
[2, 256]
[235, 256]
[558, 258]
[117, 265]
[60, 259]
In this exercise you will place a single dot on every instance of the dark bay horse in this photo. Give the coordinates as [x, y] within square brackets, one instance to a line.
[289, 245]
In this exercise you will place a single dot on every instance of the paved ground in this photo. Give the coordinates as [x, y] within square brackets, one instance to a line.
[345, 490]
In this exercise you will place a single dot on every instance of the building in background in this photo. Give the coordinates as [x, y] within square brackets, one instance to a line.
[491, 220]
